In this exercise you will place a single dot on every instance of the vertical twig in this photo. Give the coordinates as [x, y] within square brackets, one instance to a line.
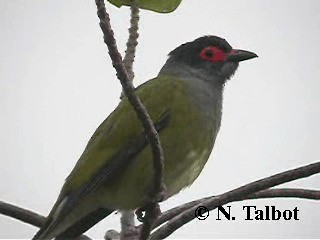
[132, 40]
[152, 211]
[128, 228]
[129, 90]
[127, 217]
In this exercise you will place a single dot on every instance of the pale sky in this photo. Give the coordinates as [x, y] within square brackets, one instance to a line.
[57, 84]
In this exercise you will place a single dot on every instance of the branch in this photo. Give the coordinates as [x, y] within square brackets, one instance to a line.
[269, 193]
[238, 193]
[128, 228]
[26, 216]
[21, 214]
[152, 211]
[37, 220]
[127, 217]
[132, 41]
[285, 193]
[129, 91]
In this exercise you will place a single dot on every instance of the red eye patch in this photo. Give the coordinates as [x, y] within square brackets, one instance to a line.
[213, 54]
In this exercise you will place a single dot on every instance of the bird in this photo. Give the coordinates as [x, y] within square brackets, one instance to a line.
[115, 171]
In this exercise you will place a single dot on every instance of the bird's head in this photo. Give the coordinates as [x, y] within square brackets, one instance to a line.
[210, 56]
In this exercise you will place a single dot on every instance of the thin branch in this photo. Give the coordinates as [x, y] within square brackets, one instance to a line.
[173, 212]
[83, 237]
[37, 220]
[285, 193]
[152, 212]
[21, 214]
[238, 193]
[129, 90]
[269, 193]
[26, 216]
[127, 217]
[132, 40]
[128, 228]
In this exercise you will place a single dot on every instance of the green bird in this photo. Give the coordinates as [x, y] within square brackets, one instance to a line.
[116, 171]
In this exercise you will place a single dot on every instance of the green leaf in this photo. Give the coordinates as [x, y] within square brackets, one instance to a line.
[160, 6]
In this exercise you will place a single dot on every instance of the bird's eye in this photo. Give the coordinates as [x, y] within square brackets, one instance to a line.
[209, 53]
[213, 54]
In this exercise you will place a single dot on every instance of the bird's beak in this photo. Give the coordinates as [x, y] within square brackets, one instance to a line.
[237, 55]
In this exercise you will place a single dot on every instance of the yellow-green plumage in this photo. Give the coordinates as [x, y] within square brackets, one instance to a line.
[186, 140]
[118, 130]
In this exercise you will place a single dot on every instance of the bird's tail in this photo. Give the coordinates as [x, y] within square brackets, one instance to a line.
[75, 230]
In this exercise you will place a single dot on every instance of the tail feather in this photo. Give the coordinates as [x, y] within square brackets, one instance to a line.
[43, 228]
[85, 223]
[77, 228]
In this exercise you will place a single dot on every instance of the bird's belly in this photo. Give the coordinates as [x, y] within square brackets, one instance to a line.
[181, 167]
[184, 176]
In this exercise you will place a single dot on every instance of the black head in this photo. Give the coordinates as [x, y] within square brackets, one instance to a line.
[211, 54]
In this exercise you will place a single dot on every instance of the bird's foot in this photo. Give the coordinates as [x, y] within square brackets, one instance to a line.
[151, 210]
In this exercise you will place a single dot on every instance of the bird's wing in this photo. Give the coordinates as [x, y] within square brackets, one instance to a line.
[115, 142]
